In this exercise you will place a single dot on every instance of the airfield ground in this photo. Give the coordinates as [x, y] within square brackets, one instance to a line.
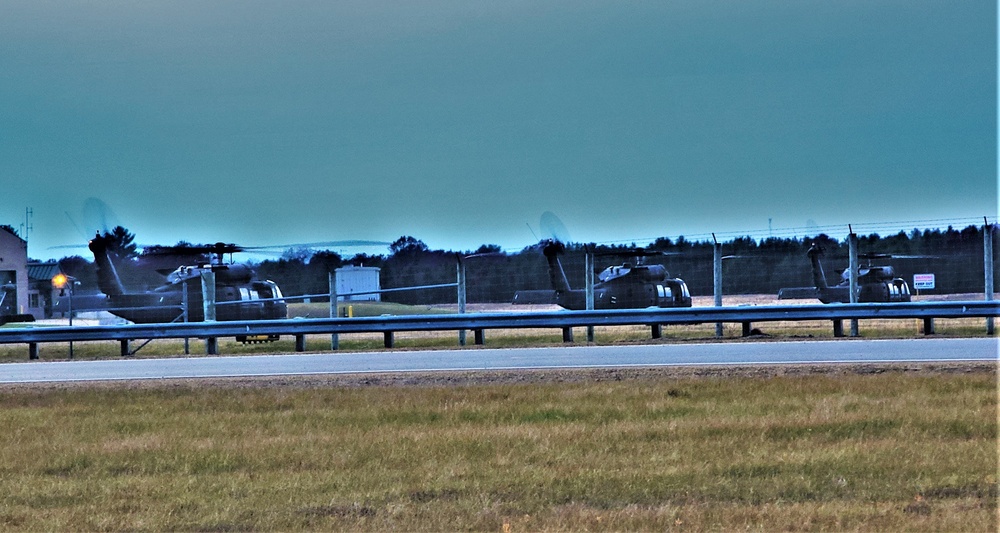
[858, 447]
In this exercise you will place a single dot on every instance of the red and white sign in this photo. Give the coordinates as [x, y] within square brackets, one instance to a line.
[923, 281]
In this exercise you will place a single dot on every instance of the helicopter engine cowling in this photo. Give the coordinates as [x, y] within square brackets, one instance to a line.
[233, 274]
[653, 273]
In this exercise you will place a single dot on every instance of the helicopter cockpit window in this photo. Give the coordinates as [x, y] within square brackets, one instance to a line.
[664, 293]
[264, 290]
[903, 288]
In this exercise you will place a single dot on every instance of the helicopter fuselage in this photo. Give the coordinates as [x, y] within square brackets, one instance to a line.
[238, 295]
[166, 303]
[876, 284]
[620, 287]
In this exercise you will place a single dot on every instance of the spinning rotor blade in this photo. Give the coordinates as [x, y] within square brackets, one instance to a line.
[553, 228]
[98, 217]
[871, 256]
[634, 252]
[322, 244]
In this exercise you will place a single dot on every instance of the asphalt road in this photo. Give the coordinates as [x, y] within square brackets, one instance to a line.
[741, 353]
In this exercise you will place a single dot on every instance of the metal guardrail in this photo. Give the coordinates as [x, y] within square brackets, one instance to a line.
[478, 322]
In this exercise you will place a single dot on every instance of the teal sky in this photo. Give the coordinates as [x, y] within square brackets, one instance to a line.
[460, 122]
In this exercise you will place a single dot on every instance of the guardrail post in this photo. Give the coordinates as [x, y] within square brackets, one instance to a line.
[300, 343]
[746, 329]
[212, 346]
[480, 338]
[567, 334]
[125, 350]
[657, 330]
[32, 350]
[389, 340]
[928, 326]
[838, 328]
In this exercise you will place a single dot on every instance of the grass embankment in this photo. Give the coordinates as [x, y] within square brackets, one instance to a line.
[876, 452]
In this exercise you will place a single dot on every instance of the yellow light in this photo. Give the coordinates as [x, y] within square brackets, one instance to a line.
[59, 280]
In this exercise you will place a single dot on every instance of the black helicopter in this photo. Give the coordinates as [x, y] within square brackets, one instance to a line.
[624, 286]
[258, 299]
[875, 283]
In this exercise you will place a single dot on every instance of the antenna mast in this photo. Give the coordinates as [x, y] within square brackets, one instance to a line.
[27, 227]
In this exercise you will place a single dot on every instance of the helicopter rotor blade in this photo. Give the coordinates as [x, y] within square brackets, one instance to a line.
[98, 216]
[350, 243]
[553, 228]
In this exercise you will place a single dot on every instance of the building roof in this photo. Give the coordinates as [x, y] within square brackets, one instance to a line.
[6, 229]
[43, 271]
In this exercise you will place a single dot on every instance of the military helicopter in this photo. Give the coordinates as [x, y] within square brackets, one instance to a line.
[625, 286]
[258, 299]
[875, 283]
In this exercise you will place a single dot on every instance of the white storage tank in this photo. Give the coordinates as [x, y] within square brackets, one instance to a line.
[354, 279]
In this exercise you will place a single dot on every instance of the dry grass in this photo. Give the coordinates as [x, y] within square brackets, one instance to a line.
[852, 452]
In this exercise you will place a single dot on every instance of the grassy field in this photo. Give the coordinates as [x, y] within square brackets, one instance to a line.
[885, 451]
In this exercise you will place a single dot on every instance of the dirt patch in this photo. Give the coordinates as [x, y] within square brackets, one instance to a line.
[521, 377]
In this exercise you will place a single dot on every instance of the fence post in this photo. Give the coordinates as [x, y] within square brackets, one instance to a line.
[988, 267]
[461, 295]
[852, 250]
[717, 278]
[334, 338]
[184, 315]
[208, 300]
[589, 275]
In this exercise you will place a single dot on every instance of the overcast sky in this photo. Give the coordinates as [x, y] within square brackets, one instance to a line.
[461, 122]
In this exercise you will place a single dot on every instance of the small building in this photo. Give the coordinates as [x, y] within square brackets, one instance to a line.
[42, 294]
[357, 279]
[13, 272]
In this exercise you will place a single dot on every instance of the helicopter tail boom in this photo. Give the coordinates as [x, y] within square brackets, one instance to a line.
[107, 276]
[556, 273]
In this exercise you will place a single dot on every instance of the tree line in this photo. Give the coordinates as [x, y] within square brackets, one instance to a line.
[750, 266]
